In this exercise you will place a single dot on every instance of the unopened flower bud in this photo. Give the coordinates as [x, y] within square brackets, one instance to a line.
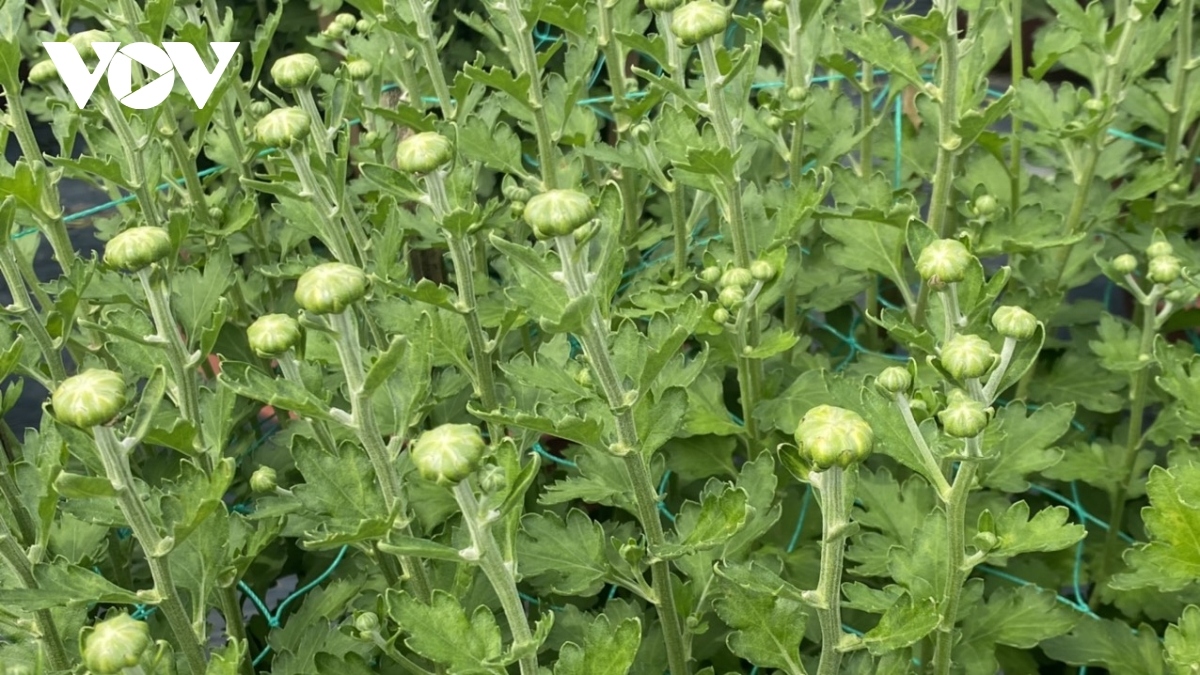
[699, 20]
[295, 71]
[424, 152]
[364, 26]
[137, 248]
[359, 70]
[736, 276]
[984, 205]
[330, 288]
[263, 480]
[366, 622]
[663, 5]
[346, 20]
[796, 94]
[493, 480]
[557, 213]
[90, 398]
[43, 72]
[282, 127]
[963, 417]
[84, 40]
[334, 31]
[731, 296]
[945, 261]
[449, 453]
[1163, 269]
[966, 356]
[1014, 322]
[710, 275]
[774, 7]
[894, 380]
[1125, 264]
[115, 644]
[273, 334]
[721, 315]
[762, 270]
[1159, 248]
[515, 193]
[829, 436]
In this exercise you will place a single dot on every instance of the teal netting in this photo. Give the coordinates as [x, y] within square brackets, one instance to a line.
[1074, 596]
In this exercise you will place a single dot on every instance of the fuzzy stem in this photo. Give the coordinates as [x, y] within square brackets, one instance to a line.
[235, 627]
[133, 157]
[527, 64]
[926, 455]
[331, 230]
[427, 46]
[956, 511]
[682, 236]
[595, 345]
[11, 552]
[948, 141]
[191, 180]
[308, 103]
[23, 306]
[1017, 51]
[156, 549]
[291, 372]
[498, 572]
[187, 390]
[830, 486]
[993, 383]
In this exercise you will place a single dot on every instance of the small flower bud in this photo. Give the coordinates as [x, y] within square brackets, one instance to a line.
[963, 416]
[273, 334]
[137, 248]
[90, 398]
[1164, 269]
[894, 380]
[762, 270]
[829, 436]
[43, 72]
[366, 622]
[721, 315]
[449, 453]
[283, 127]
[699, 20]
[263, 480]
[364, 26]
[984, 205]
[115, 644]
[967, 356]
[515, 193]
[796, 94]
[774, 7]
[710, 275]
[295, 71]
[359, 70]
[945, 261]
[334, 31]
[731, 296]
[516, 209]
[330, 288]
[1014, 322]
[663, 5]
[773, 122]
[558, 213]
[736, 276]
[424, 152]
[84, 40]
[1159, 248]
[493, 480]
[1125, 264]
[347, 21]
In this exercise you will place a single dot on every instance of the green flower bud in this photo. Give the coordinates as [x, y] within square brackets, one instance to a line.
[347, 21]
[698, 20]
[359, 70]
[663, 5]
[364, 25]
[829, 436]
[515, 193]
[1163, 269]
[493, 480]
[736, 276]
[762, 270]
[558, 213]
[796, 94]
[283, 127]
[43, 72]
[115, 644]
[366, 622]
[721, 315]
[1093, 105]
[945, 261]
[710, 275]
[894, 380]
[295, 71]
[516, 210]
[731, 296]
[90, 398]
[334, 31]
[259, 108]
[774, 122]
[774, 7]
[449, 453]
[1159, 248]
[967, 356]
[1125, 264]
[1014, 322]
[330, 288]
[273, 334]
[424, 153]
[1176, 188]
[263, 479]
[985, 205]
[963, 416]
[83, 42]
[137, 248]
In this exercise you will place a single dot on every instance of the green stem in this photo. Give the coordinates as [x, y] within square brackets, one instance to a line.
[23, 306]
[187, 390]
[235, 627]
[331, 231]
[956, 573]
[191, 180]
[1179, 98]
[926, 455]
[498, 572]
[155, 547]
[134, 159]
[1017, 49]
[830, 486]
[527, 64]
[948, 141]
[427, 46]
[12, 553]
[620, 401]
[304, 96]
[291, 372]
[679, 224]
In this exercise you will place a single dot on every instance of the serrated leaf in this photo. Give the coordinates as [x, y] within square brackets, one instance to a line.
[403, 545]
[722, 511]
[566, 556]
[605, 651]
[1110, 643]
[1172, 558]
[905, 622]
[1118, 346]
[767, 630]
[445, 633]
[1048, 530]
[1018, 442]
[61, 584]
[1182, 641]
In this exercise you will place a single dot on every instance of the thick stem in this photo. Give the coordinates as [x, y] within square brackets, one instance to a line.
[1017, 51]
[498, 572]
[191, 180]
[134, 159]
[956, 573]
[830, 486]
[620, 401]
[156, 549]
[682, 236]
[291, 372]
[11, 552]
[990, 390]
[23, 306]
[331, 230]
[926, 455]
[427, 46]
[187, 390]
[527, 64]
[235, 627]
[308, 103]
[948, 141]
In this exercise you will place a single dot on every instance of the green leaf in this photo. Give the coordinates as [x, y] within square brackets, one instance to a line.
[756, 578]
[61, 584]
[443, 632]
[1016, 444]
[867, 246]
[1017, 617]
[602, 479]
[1172, 558]
[905, 622]
[767, 630]
[495, 146]
[605, 651]
[1076, 378]
[1048, 530]
[1182, 641]
[197, 294]
[386, 364]
[341, 486]
[722, 511]
[248, 381]
[1112, 644]
[1118, 346]
[75, 486]
[404, 545]
[564, 556]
